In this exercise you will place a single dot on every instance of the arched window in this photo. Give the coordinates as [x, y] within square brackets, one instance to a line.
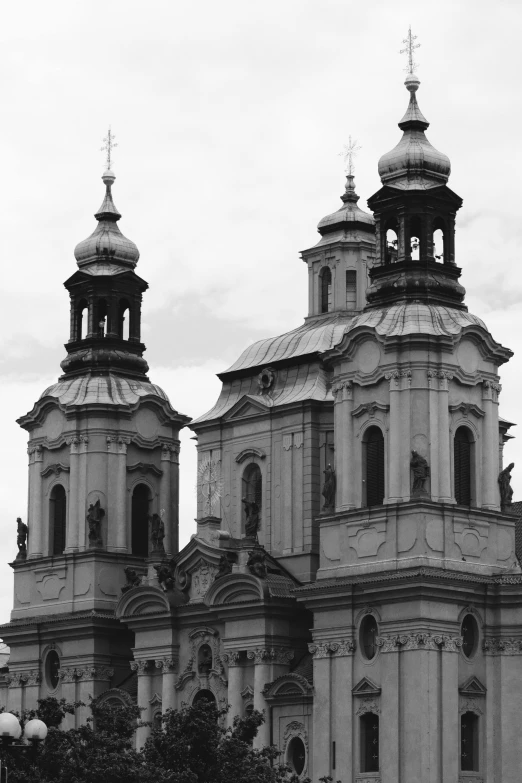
[326, 289]
[123, 319]
[374, 466]
[438, 239]
[57, 519]
[100, 326]
[369, 729]
[140, 521]
[462, 466]
[253, 495]
[469, 742]
[391, 243]
[82, 317]
[351, 289]
[415, 238]
[204, 695]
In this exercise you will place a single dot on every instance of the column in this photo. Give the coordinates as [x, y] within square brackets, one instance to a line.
[404, 456]
[164, 497]
[390, 706]
[82, 491]
[433, 434]
[144, 696]
[490, 461]
[261, 660]
[340, 446]
[286, 481]
[344, 446]
[73, 511]
[168, 667]
[322, 739]
[235, 684]
[394, 439]
[449, 709]
[92, 681]
[35, 520]
[342, 710]
[68, 692]
[445, 493]
[14, 694]
[117, 500]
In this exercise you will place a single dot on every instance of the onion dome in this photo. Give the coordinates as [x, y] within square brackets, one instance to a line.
[348, 217]
[107, 245]
[414, 164]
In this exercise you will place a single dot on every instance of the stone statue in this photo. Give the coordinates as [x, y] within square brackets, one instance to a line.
[506, 490]
[224, 567]
[165, 573]
[204, 660]
[21, 539]
[95, 515]
[421, 471]
[252, 517]
[133, 579]
[329, 488]
[157, 534]
[257, 563]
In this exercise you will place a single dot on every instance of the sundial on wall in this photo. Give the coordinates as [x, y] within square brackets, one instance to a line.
[210, 482]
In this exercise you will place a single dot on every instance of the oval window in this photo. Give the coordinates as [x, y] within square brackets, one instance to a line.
[52, 669]
[296, 755]
[469, 633]
[368, 637]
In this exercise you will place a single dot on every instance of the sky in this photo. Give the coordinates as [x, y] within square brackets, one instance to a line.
[229, 118]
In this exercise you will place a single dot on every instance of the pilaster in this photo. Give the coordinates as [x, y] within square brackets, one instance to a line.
[144, 669]
[117, 467]
[35, 543]
[168, 667]
[490, 461]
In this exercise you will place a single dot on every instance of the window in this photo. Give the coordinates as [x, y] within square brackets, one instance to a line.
[204, 695]
[469, 735]
[252, 498]
[368, 637]
[369, 727]
[374, 466]
[392, 244]
[462, 466]
[296, 755]
[469, 633]
[351, 289]
[52, 669]
[326, 289]
[123, 320]
[57, 518]
[438, 239]
[82, 315]
[140, 521]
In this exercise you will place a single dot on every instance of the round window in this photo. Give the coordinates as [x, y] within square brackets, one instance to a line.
[52, 669]
[296, 755]
[470, 634]
[368, 637]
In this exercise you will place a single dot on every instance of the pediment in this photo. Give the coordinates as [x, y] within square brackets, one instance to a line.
[245, 407]
[472, 687]
[287, 687]
[366, 687]
[142, 600]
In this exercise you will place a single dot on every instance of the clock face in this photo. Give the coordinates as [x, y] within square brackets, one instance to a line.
[210, 482]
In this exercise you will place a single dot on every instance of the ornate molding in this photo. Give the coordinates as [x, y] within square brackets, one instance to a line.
[265, 655]
[95, 673]
[168, 449]
[144, 467]
[117, 444]
[466, 408]
[141, 666]
[419, 641]
[368, 779]
[247, 693]
[56, 468]
[399, 378]
[20, 679]
[468, 779]
[188, 673]
[295, 729]
[501, 646]
[339, 648]
[250, 452]
[369, 705]
[370, 408]
[76, 442]
[342, 390]
[470, 705]
[439, 379]
[490, 390]
[232, 657]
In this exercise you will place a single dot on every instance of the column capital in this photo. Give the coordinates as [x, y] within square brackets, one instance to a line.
[232, 657]
[399, 379]
[337, 647]
[490, 390]
[35, 453]
[342, 390]
[117, 444]
[439, 379]
[168, 449]
[141, 666]
[166, 664]
[272, 654]
[95, 673]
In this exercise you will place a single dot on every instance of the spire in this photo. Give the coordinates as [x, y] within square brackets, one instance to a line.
[108, 210]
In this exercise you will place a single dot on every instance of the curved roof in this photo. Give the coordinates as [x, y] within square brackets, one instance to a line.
[102, 389]
[349, 213]
[416, 318]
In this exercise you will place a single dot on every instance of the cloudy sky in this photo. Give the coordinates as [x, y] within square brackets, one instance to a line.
[229, 118]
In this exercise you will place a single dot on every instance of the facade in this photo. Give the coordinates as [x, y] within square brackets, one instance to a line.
[354, 571]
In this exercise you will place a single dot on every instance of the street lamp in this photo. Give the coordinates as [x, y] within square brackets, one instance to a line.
[10, 730]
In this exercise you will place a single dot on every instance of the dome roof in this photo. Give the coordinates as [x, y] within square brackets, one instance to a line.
[107, 244]
[414, 164]
[349, 215]
[103, 390]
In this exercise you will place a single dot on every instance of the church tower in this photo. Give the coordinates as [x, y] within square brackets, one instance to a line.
[417, 602]
[103, 462]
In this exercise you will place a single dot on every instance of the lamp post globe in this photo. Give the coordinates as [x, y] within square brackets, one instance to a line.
[35, 730]
[10, 728]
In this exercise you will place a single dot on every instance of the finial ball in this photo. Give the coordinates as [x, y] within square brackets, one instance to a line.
[108, 177]
[412, 82]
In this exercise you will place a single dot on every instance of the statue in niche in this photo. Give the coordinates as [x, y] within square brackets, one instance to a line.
[252, 517]
[329, 488]
[204, 660]
[95, 515]
[257, 563]
[21, 539]
[133, 579]
[421, 471]
[157, 534]
[224, 567]
[506, 490]
[165, 573]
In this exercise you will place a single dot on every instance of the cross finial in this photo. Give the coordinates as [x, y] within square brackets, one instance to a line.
[109, 145]
[349, 152]
[409, 49]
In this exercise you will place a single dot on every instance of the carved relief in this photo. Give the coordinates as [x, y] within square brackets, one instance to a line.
[399, 379]
[202, 578]
[369, 705]
[499, 646]
[166, 665]
[295, 729]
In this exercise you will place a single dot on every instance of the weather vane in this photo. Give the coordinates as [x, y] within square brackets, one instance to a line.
[409, 49]
[349, 152]
[108, 146]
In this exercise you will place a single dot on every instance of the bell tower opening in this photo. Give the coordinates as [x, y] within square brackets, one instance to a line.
[326, 289]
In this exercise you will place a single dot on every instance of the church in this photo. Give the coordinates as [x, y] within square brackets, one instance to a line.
[354, 571]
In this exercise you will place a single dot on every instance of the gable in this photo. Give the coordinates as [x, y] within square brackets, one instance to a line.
[472, 687]
[366, 687]
[246, 407]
